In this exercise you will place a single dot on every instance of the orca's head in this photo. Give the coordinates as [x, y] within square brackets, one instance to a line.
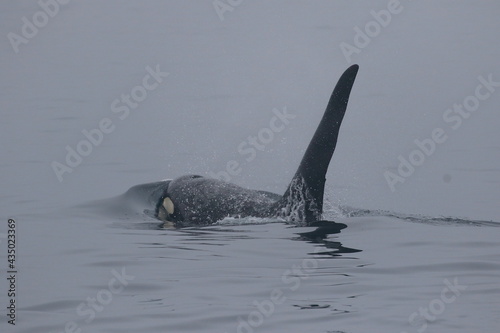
[184, 202]
[166, 211]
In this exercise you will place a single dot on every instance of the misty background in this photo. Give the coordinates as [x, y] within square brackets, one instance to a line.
[225, 78]
[227, 72]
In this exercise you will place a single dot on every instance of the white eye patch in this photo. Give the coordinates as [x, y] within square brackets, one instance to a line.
[168, 205]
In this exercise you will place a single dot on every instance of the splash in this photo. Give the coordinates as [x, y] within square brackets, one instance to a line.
[297, 201]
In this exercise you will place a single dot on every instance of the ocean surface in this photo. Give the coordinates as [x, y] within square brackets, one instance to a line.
[100, 96]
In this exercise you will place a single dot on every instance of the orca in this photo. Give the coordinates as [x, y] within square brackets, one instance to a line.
[193, 200]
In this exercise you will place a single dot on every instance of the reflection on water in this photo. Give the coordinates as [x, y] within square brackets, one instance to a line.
[320, 235]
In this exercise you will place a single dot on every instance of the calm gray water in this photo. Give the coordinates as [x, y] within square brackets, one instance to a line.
[421, 256]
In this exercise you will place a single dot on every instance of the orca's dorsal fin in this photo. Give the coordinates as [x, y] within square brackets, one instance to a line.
[303, 199]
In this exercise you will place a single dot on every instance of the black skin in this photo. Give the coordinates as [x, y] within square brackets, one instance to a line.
[196, 200]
